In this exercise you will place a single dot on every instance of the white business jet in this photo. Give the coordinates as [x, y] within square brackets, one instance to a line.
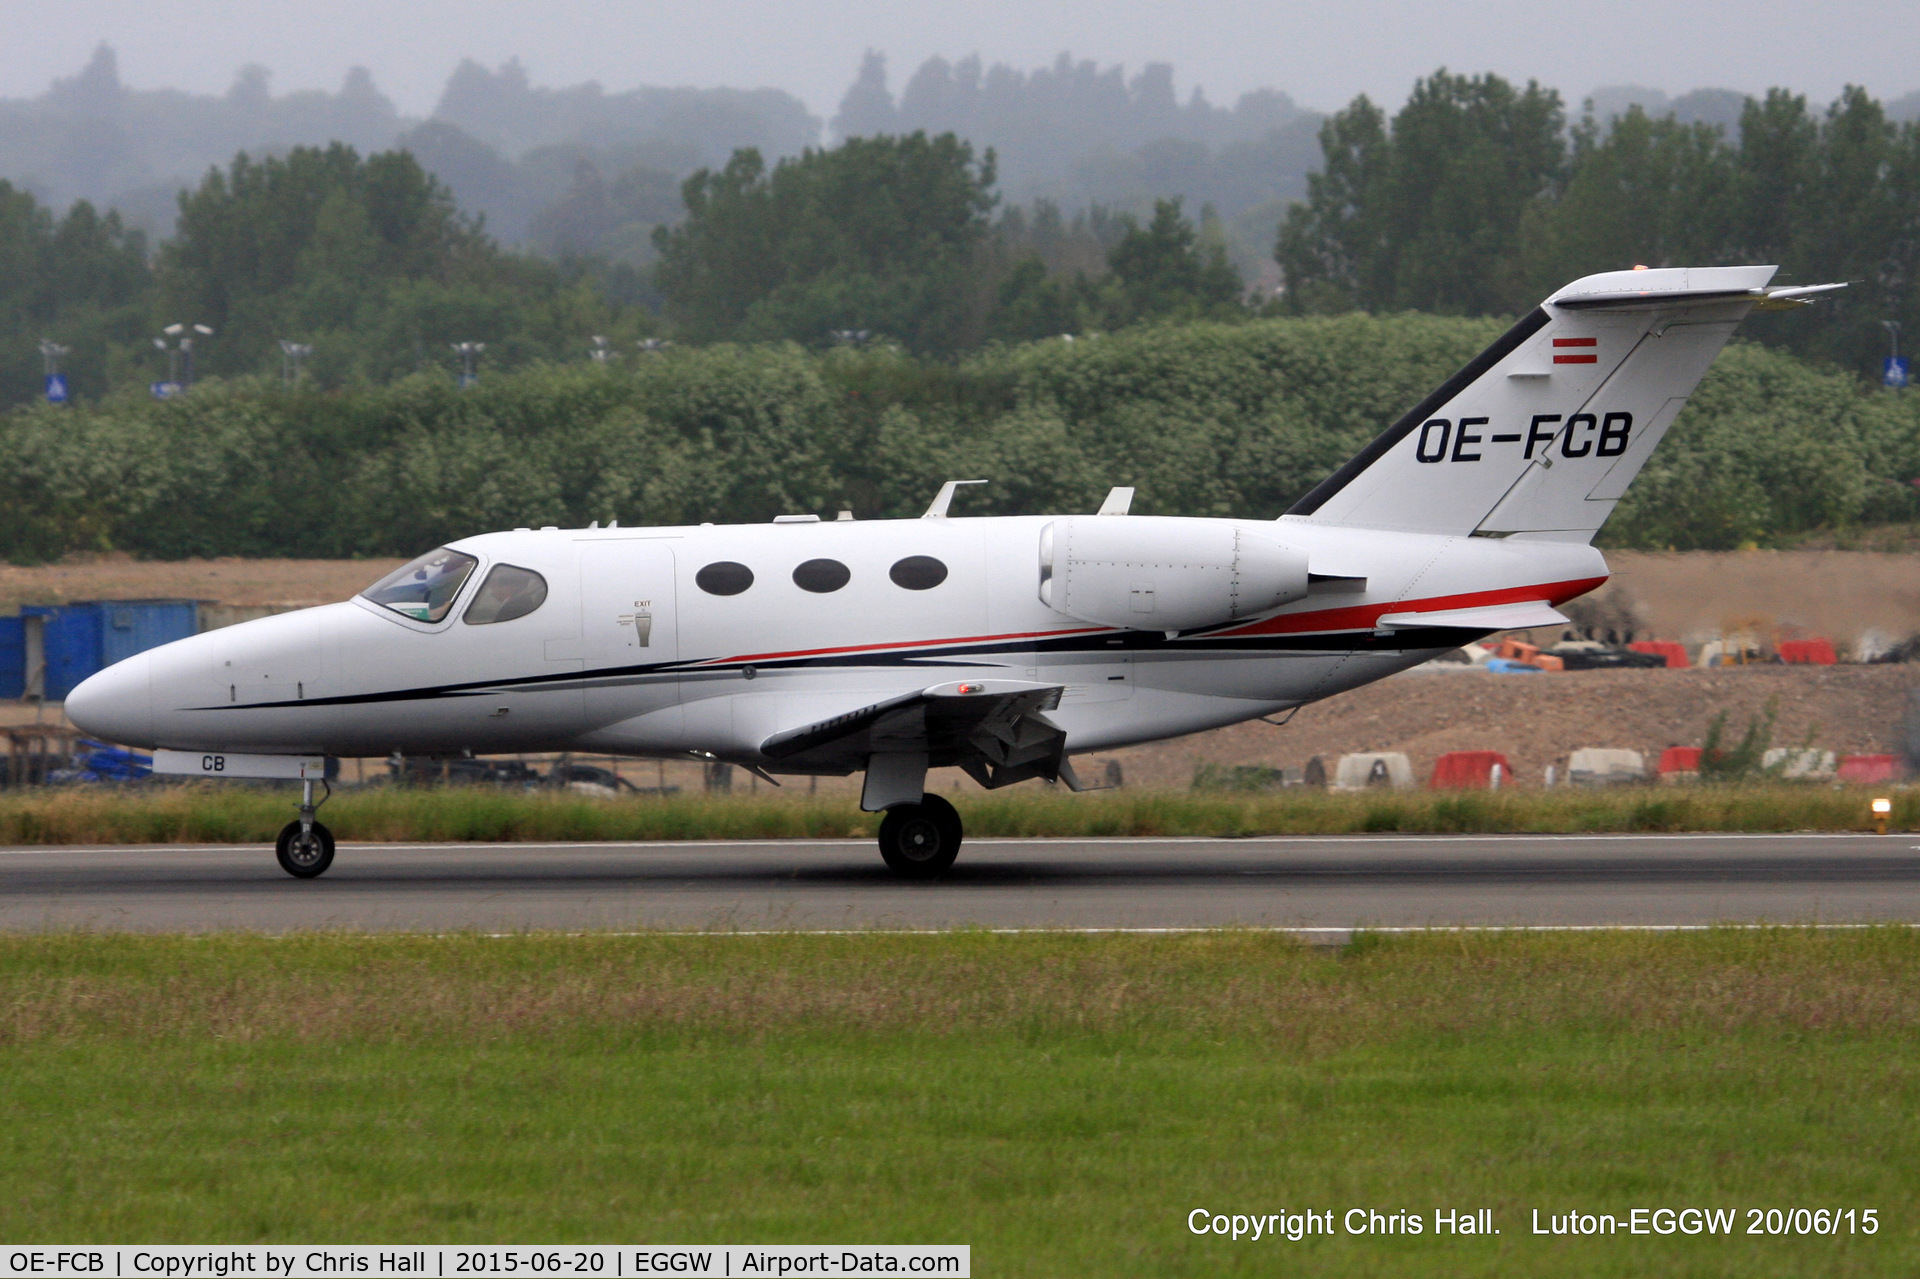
[1002, 646]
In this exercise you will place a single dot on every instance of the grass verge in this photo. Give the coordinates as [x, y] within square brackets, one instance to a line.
[1059, 1102]
[235, 813]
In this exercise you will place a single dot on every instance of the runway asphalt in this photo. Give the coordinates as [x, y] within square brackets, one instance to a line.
[1331, 884]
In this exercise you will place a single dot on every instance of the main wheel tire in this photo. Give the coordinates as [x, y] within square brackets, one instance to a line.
[920, 841]
[948, 816]
[304, 855]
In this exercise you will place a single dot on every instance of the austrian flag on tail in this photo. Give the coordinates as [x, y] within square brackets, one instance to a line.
[1588, 358]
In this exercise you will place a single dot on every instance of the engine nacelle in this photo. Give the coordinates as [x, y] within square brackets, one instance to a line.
[1162, 573]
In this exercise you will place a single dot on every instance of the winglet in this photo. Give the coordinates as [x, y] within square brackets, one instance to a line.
[944, 498]
[1119, 502]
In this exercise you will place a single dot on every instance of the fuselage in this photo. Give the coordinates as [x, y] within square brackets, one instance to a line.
[634, 651]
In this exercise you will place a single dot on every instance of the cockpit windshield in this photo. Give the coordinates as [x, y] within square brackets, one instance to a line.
[425, 589]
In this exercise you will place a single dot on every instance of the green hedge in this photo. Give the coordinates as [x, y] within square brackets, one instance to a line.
[225, 813]
[1204, 419]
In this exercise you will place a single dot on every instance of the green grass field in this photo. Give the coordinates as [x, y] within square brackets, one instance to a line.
[230, 813]
[1059, 1102]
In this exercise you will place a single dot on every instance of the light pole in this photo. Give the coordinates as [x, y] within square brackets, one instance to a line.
[469, 353]
[179, 356]
[50, 353]
[291, 353]
[185, 333]
[162, 390]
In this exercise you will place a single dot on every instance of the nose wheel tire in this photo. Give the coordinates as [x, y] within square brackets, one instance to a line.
[920, 841]
[304, 854]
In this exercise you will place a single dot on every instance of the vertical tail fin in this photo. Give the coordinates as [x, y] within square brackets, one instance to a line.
[1542, 432]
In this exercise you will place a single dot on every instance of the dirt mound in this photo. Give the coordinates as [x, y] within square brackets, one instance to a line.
[1537, 720]
[1695, 596]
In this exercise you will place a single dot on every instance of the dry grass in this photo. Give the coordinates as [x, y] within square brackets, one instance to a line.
[230, 813]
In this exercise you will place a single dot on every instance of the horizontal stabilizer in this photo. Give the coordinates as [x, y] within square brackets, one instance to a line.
[1784, 299]
[1621, 298]
[1496, 617]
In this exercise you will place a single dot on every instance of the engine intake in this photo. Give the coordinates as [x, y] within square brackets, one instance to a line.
[1163, 573]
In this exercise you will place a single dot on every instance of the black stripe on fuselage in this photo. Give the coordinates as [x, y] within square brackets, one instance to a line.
[1504, 346]
[964, 657]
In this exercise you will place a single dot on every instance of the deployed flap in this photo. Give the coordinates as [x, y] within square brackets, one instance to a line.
[1496, 617]
[995, 729]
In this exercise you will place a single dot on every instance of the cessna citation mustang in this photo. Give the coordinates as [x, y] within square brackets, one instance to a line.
[1002, 646]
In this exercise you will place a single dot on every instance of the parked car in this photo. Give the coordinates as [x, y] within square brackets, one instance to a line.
[1592, 655]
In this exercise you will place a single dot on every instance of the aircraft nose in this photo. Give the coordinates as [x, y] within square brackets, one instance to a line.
[116, 704]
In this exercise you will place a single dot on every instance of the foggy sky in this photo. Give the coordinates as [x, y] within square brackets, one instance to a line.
[1322, 52]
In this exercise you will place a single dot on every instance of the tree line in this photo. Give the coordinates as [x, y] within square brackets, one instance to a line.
[367, 261]
[1077, 133]
[371, 263]
[1203, 418]
[1476, 198]
[508, 147]
[893, 238]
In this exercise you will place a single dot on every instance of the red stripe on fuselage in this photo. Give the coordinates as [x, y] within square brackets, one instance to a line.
[1364, 616]
[1357, 618]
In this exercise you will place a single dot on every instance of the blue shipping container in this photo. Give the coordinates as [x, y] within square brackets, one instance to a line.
[70, 643]
[83, 638]
[13, 657]
[134, 626]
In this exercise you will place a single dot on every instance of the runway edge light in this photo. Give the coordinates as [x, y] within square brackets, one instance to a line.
[1882, 810]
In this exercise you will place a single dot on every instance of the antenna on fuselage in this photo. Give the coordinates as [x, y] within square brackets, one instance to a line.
[944, 498]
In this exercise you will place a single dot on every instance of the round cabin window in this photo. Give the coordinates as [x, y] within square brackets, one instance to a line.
[821, 576]
[918, 573]
[724, 578]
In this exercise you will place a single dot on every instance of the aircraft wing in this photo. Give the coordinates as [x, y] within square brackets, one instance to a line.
[997, 730]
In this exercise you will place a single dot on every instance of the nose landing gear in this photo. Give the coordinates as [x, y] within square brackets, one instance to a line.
[920, 841]
[305, 847]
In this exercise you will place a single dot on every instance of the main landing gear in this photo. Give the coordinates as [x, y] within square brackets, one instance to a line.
[305, 847]
[920, 841]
